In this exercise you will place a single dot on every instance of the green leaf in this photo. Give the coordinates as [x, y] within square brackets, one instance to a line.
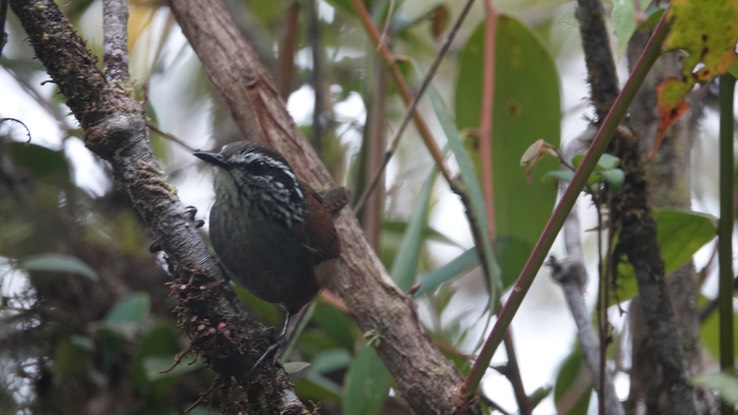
[607, 162]
[335, 325]
[295, 367]
[710, 332]
[456, 267]
[316, 387]
[569, 383]
[563, 175]
[680, 234]
[69, 357]
[614, 178]
[539, 395]
[131, 309]
[43, 163]
[61, 263]
[471, 184]
[405, 264]
[623, 20]
[367, 384]
[331, 360]
[725, 384]
[526, 108]
[706, 31]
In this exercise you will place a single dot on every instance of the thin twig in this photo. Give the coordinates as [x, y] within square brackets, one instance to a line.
[411, 111]
[169, 137]
[572, 278]
[516, 380]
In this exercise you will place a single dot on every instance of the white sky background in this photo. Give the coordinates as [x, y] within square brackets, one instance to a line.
[543, 330]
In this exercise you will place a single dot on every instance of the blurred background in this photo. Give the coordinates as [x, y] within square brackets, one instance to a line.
[85, 319]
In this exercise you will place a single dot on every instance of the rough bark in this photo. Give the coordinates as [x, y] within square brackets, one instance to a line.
[669, 175]
[425, 378]
[662, 358]
[115, 129]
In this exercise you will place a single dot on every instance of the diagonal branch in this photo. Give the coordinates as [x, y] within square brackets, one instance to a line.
[115, 129]
[425, 378]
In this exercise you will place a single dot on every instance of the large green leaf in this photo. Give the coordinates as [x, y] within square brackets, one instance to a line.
[367, 383]
[680, 234]
[526, 108]
[571, 394]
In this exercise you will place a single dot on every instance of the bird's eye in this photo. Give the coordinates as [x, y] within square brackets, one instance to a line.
[258, 168]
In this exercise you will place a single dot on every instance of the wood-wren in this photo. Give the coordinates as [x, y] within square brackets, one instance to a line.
[268, 228]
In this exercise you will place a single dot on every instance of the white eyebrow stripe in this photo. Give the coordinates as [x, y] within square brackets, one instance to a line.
[272, 162]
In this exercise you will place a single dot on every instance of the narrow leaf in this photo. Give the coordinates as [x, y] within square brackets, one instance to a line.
[58, 263]
[367, 384]
[454, 268]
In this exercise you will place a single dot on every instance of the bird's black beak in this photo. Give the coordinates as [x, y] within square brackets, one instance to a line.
[212, 158]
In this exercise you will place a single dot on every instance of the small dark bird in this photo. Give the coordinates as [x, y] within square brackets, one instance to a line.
[269, 229]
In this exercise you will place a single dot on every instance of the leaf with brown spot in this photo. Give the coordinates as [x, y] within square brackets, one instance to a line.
[706, 30]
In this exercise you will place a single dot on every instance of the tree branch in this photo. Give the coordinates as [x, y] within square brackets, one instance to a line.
[115, 43]
[425, 378]
[115, 129]
[601, 73]
[572, 276]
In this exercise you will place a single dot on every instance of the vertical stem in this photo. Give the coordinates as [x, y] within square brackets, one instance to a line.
[725, 232]
[486, 117]
[535, 260]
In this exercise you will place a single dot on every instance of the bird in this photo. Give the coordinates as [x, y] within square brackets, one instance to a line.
[269, 229]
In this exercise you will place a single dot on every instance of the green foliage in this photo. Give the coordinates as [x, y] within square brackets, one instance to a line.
[49, 166]
[431, 280]
[710, 332]
[606, 172]
[366, 385]
[723, 383]
[523, 112]
[406, 261]
[624, 20]
[471, 185]
[130, 341]
[569, 392]
[58, 263]
[680, 235]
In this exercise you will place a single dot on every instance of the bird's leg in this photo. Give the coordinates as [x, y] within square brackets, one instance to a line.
[276, 348]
